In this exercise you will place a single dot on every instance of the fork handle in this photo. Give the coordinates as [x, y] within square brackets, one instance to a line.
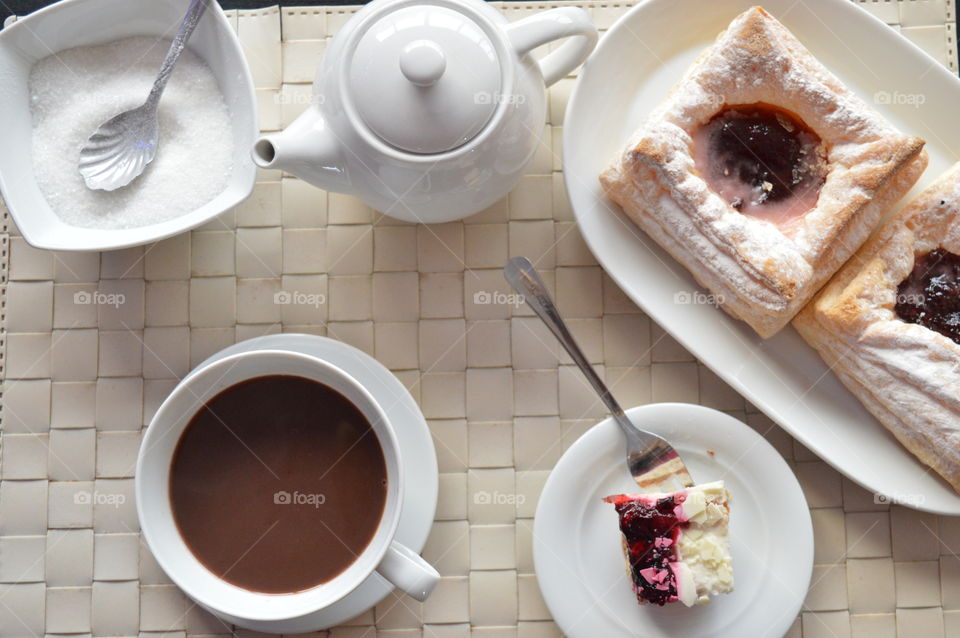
[187, 25]
[525, 279]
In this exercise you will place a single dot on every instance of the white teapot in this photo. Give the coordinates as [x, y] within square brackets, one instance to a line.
[428, 111]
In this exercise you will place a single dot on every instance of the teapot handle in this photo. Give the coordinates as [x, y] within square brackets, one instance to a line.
[573, 22]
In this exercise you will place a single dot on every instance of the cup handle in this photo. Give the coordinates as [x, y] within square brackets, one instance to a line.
[564, 22]
[408, 571]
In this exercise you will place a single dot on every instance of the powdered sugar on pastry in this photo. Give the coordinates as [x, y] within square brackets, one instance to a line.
[906, 374]
[761, 271]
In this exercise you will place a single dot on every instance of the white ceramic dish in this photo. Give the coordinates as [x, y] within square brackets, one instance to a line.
[577, 551]
[415, 444]
[72, 23]
[782, 376]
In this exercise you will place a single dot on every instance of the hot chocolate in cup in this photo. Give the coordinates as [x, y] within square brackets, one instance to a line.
[269, 487]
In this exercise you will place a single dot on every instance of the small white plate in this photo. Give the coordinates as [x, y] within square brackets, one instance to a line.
[416, 446]
[576, 538]
[781, 376]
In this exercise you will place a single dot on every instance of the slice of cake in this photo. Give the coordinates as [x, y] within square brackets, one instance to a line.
[676, 545]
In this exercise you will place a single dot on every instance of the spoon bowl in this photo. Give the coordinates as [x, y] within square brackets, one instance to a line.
[122, 147]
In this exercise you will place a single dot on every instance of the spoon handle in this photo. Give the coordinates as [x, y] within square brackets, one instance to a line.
[189, 23]
[521, 274]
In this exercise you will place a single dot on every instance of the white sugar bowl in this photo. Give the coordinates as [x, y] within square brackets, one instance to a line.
[429, 111]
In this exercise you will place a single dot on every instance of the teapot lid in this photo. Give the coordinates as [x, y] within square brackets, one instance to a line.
[425, 78]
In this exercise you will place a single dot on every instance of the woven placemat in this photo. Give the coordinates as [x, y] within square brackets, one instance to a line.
[81, 379]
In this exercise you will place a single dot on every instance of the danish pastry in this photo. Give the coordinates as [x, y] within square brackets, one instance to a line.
[761, 173]
[888, 324]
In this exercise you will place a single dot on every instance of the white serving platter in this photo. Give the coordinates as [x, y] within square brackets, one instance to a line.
[638, 60]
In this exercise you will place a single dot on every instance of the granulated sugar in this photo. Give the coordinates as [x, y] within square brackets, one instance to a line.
[76, 90]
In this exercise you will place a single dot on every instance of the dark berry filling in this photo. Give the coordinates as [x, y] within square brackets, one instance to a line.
[759, 154]
[930, 295]
[651, 532]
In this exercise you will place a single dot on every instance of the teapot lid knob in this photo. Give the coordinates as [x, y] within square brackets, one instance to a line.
[423, 62]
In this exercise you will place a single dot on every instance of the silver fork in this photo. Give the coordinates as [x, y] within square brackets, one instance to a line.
[653, 463]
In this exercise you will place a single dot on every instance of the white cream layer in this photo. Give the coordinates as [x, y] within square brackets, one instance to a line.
[704, 547]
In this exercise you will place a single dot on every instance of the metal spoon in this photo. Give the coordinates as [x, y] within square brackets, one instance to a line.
[653, 463]
[121, 148]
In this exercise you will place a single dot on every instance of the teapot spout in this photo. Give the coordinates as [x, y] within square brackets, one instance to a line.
[307, 149]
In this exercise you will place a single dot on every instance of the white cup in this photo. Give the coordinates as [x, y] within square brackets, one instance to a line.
[384, 555]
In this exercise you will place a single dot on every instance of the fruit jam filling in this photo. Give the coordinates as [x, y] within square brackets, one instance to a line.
[761, 160]
[651, 531]
[930, 295]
